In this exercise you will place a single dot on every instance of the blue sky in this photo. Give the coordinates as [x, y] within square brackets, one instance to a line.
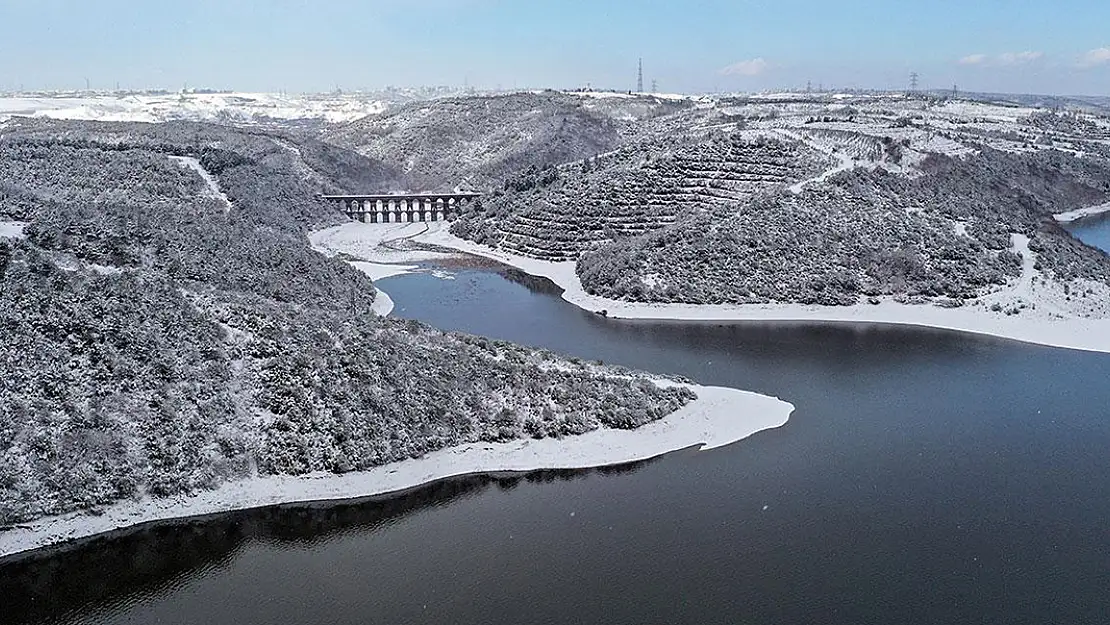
[1057, 46]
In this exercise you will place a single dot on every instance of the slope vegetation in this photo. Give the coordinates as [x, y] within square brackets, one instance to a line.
[478, 141]
[153, 342]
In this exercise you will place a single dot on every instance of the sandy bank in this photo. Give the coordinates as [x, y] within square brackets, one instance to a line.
[718, 417]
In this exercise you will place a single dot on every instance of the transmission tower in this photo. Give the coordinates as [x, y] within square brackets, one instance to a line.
[913, 82]
[654, 86]
[640, 77]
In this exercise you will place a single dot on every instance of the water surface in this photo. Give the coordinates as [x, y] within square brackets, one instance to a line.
[926, 476]
[1094, 231]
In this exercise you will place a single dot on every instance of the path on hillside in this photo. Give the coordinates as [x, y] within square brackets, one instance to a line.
[844, 162]
[214, 190]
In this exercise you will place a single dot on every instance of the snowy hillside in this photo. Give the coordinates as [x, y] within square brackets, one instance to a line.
[811, 199]
[478, 141]
[165, 327]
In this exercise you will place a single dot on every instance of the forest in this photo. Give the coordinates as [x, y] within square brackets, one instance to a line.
[155, 344]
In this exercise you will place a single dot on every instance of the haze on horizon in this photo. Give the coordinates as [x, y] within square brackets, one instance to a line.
[1059, 47]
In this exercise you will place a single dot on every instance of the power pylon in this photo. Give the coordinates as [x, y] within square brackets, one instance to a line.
[640, 77]
[913, 82]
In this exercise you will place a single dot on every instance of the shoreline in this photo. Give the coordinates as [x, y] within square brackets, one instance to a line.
[1041, 327]
[718, 417]
[1081, 213]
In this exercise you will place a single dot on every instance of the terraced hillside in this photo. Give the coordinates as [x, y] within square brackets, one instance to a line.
[559, 213]
[957, 232]
[817, 200]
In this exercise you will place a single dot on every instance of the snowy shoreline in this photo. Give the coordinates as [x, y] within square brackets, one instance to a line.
[719, 417]
[1082, 213]
[1043, 326]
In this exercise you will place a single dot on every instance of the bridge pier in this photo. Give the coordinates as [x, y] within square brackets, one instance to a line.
[401, 208]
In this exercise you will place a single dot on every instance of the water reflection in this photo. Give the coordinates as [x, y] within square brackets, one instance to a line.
[926, 476]
[117, 570]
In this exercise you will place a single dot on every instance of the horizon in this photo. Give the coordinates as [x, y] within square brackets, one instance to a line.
[456, 91]
[294, 46]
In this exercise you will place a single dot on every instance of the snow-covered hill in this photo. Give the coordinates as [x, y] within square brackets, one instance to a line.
[812, 199]
[225, 108]
[165, 327]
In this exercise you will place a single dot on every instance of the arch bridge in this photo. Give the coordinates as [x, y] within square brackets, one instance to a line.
[398, 208]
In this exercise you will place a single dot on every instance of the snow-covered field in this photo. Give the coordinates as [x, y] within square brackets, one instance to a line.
[1033, 310]
[719, 417]
[12, 229]
[234, 108]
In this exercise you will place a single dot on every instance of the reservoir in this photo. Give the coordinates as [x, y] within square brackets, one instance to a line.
[926, 476]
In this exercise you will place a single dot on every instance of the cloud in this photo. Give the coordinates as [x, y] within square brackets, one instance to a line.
[1098, 56]
[751, 67]
[1002, 60]
[1019, 58]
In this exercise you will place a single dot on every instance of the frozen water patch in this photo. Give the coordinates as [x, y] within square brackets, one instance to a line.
[381, 271]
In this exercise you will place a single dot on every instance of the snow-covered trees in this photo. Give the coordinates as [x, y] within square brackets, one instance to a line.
[152, 343]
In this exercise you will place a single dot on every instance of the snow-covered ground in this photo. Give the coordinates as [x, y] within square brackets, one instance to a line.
[235, 108]
[209, 181]
[843, 161]
[1033, 309]
[1080, 213]
[375, 246]
[720, 416]
[12, 229]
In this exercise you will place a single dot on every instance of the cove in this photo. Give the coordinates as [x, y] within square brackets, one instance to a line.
[926, 476]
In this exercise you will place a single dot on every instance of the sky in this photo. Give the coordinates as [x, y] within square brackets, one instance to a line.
[689, 46]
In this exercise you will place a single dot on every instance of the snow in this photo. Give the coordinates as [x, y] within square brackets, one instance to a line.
[213, 186]
[373, 249]
[1080, 213]
[843, 161]
[383, 303]
[373, 242]
[719, 417]
[12, 229]
[601, 94]
[1051, 324]
[240, 108]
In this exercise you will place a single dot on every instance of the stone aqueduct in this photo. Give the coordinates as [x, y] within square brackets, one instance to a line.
[408, 208]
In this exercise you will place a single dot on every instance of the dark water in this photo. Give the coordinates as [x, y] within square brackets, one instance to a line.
[926, 477]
